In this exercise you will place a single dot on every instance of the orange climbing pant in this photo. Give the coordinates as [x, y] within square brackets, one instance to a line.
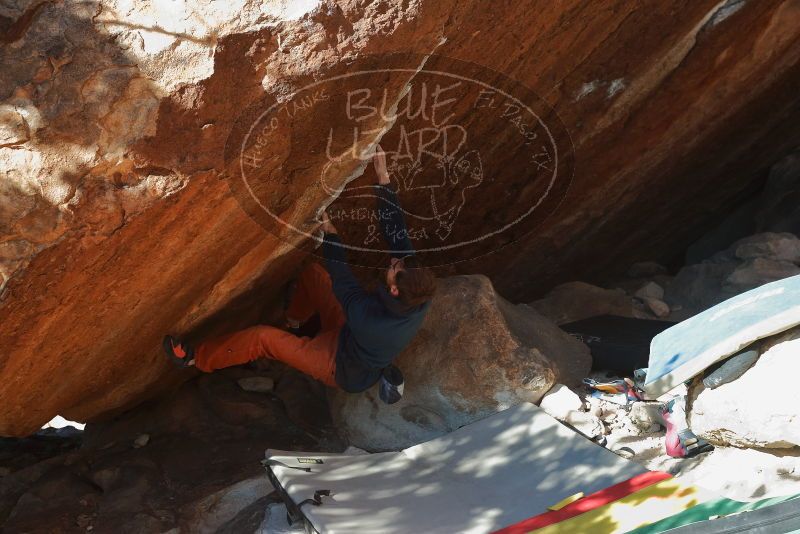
[315, 357]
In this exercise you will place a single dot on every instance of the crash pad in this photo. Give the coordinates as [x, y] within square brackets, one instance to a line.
[649, 508]
[707, 516]
[688, 348]
[480, 478]
[619, 344]
[503, 474]
[653, 503]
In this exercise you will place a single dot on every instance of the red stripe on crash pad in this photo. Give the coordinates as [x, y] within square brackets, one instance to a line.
[590, 502]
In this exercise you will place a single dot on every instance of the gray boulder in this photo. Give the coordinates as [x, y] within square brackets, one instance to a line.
[748, 263]
[760, 408]
[659, 308]
[779, 204]
[776, 209]
[700, 286]
[778, 247]
[476, 354]
[650, 290]
[566, 406]
[574, 301]
[757, 272]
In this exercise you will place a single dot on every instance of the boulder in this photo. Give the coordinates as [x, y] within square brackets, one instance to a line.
[731, 369]
[646, 416]
[650, 290]
[574, 301]
[560, 401]
[116, 204]
[779, 203]
[735, 225]
[700, 286]
[760, 408]
[565, 405]
[659, 308]
[757, 272]
[586, 423]
[748, 263]
[199, 472]
[212, 512]
[305, 402]
[476, 354]
[776, 209]
[141, 441]
[779, 247]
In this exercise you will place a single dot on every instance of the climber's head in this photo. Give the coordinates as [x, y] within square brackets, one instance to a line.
[409, 281]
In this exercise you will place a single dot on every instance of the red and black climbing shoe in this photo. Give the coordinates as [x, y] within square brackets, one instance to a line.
[178, 352]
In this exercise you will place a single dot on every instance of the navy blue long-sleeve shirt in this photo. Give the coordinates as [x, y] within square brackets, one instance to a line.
[378, 326]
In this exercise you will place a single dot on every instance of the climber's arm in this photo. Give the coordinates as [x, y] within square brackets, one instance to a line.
[390, 215]
[346, 287]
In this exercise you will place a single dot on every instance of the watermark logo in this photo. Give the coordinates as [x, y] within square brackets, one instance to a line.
[476, 159]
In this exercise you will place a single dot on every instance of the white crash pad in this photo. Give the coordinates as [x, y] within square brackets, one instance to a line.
[482, 477]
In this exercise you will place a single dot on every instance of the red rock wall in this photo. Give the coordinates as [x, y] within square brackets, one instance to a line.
[116, 219]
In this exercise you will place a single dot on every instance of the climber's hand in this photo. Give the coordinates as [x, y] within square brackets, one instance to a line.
[379, 162]
[327, 226]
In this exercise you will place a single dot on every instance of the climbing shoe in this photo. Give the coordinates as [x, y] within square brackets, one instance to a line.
[179, 352]
[680, 441]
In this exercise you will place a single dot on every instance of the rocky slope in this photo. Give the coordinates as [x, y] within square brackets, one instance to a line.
[188, 462]
[117, 222]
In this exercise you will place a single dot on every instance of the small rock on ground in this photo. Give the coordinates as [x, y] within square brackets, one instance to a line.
[585, 423]
[650, 290]
[560, 400]
[658, 307]
[646, 416]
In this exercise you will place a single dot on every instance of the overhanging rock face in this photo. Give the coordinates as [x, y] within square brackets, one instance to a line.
[120, 217]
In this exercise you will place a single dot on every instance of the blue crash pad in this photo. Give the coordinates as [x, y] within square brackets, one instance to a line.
[688, 348]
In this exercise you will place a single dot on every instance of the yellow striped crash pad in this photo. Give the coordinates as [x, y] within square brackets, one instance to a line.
[646, 504]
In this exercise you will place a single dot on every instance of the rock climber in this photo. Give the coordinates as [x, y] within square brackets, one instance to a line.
[361, 332]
